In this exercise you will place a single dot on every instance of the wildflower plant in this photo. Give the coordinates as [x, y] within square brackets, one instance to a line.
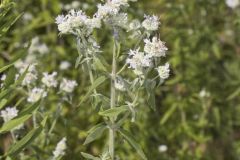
[145, 62]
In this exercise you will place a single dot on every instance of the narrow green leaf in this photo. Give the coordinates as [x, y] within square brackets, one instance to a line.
[234, 94]
[21, 78]
[132, 142]
[150, 88]
[3, 102]
[5, 92]
[114, 112]
[30, 109]
[21, 118]
[89, 156]
[14, 123]
[95, 133]
[6, 67]
[99, 65]
[168, 113]
[10, 79]
[95, 84]
[24, 142]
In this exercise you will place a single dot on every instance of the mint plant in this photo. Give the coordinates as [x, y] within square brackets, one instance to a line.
[134, 70]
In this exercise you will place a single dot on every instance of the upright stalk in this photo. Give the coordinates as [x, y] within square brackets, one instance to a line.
[113, 102]
[87, 56]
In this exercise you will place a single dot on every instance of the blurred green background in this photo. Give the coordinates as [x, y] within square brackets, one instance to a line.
[198, 109]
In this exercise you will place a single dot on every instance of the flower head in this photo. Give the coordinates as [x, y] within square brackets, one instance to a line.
[76, 20]
[138, 59]
[233, 3]
[64, 65]
[155, 48]
[110, 8]
[31, 74]
[36, 46]
[120, 84]
[36, 94]
[164, 71]
[3, 77]
[9, 113]
[162, 148]
[60, 148]
[134, 25]
[204, 93]
[68, 85]
[49, 79]
[151, 23]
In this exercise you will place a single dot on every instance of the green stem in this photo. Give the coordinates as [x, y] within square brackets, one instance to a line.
[34, 120]
[90, 72]
[13, 137]
[113, 102]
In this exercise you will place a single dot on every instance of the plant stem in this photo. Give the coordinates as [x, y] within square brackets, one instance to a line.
[13, 136]
[113, 101]
[34, 120]
[87, 56]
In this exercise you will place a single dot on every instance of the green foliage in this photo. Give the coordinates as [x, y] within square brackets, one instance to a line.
[202, 37]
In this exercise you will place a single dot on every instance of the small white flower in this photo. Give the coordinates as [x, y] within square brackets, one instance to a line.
[9, 113]
[75, 4]
[36, 94]
[64, 65]
[164, 71]
[60, 148]
[27, 16]
[134, 25]
[204, 94]
[120, 20]
[29, 78]
[233, 3]
[110, 8]
[68, 85]
[120, 84]
[93, 23]
[49, 79]
[38, 47]
[71, 21]
[162, 148]
[31, 74]
[138, 60]
[155, 48]
[151, 23]
[3, 77]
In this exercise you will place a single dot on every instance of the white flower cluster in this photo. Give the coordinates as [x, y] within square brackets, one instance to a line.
[164, 71]
[36, 94]
[67, 85]
[120, 84]
[151, 23]
[60, 148]
[233, 3]
[31, 75]
[73, 5]
[110, 8]
[77, 21]
[37, 47]
[155, 48]
[50, 79]
[138, 60]
[9, 113]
